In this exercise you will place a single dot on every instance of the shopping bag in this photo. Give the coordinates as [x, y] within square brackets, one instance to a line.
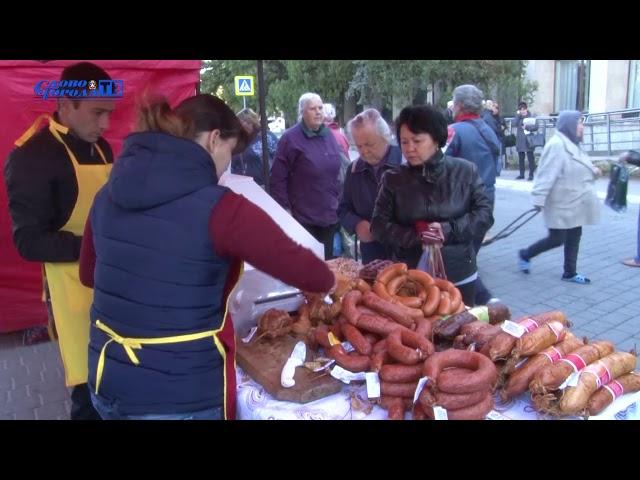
[617, 189]
[431, 261]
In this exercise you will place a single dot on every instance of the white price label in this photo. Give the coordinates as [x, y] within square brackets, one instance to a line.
[493, 415]
[250, 335]
[347, 347]
[520, 363]
[421, 383]
[440, 413]
[571, 381]
[345, 376]
[513, 328]
[373, 385]
[341, 374]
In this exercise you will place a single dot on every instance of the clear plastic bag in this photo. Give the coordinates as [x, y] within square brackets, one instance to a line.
[431, 261]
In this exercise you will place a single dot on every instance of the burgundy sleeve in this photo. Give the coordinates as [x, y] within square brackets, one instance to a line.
[87, 256]
[240, 229]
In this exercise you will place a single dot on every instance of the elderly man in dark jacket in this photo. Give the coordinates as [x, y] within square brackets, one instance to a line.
[475, 141]
[372, 137]
[305, 173]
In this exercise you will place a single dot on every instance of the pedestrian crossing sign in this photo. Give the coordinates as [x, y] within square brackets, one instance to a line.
[244, 85]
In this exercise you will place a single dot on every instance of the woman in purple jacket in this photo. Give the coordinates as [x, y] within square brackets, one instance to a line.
[304, 176]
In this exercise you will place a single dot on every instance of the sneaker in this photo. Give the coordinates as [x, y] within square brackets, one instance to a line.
[520, 177]
[523, 265]
[581, 279]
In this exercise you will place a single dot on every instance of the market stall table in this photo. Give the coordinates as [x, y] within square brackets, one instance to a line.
[254, 403]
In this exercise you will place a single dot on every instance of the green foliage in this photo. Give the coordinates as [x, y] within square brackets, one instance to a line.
[369, 82]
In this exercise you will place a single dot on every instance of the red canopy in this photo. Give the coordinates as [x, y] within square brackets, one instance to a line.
[20, 281]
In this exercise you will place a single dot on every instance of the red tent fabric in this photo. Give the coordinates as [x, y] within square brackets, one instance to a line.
[20, 281]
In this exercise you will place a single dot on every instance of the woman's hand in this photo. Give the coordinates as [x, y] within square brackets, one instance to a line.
[363, 231]
[430, 233]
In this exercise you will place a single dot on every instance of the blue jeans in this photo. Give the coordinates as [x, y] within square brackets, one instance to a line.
[109, 411]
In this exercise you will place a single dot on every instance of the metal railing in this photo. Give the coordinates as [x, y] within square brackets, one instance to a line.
[605, 133]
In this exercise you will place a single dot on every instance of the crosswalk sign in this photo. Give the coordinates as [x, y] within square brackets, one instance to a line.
[244, 85]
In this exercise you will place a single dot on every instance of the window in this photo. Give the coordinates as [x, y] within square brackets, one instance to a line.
[572, 85]
[633, 97]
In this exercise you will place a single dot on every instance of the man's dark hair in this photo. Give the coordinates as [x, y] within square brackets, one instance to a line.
[423, 119]
[522, 105]
[83, 71]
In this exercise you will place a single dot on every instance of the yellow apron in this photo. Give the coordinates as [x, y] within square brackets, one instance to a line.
[70, 300]
[130, 344]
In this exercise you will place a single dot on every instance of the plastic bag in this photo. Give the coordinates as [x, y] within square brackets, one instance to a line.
[431, 261]
[617, 189]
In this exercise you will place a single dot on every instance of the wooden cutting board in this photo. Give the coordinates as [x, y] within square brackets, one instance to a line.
[263, 361]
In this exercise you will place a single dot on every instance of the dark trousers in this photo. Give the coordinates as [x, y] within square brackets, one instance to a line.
[481, 292]
[372, 251]
[81, 406]
[468, 291]
[325, 236]
[532, 163]
[571, 240]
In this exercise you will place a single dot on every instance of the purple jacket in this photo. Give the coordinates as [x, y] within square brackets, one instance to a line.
[304, 176]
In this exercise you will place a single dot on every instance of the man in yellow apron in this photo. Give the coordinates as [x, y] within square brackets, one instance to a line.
[52, 177]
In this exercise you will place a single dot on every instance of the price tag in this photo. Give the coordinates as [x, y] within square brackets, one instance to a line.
[421, 383]
[571, 381]
[250, 335]
[440, 413]
[345, 376]
[520, 363]
[493, 415]
[513, 328]
[373, 385]
[347, 347]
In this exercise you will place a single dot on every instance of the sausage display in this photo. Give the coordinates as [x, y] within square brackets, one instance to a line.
[408, 347]
[483, 376]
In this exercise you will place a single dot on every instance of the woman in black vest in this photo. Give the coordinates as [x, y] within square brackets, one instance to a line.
[163, 249]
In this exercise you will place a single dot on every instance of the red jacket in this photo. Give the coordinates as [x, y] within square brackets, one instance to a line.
[340, 137]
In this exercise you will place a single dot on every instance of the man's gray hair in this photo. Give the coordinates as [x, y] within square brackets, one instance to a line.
[370, 116]
[468, 98]
[304, 99]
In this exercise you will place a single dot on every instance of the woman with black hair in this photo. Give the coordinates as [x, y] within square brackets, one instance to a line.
[432, 190]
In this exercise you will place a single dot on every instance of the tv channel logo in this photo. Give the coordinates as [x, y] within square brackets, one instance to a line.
[78, 89]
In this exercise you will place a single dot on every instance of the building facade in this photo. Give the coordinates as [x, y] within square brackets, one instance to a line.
[592, 86]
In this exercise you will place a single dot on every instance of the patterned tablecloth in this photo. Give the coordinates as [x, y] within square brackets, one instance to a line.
[254, 403]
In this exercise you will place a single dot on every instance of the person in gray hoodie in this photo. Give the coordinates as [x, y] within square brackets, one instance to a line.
[564, 190]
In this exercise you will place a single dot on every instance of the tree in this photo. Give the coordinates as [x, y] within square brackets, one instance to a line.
[376, 83]
[217, 78]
